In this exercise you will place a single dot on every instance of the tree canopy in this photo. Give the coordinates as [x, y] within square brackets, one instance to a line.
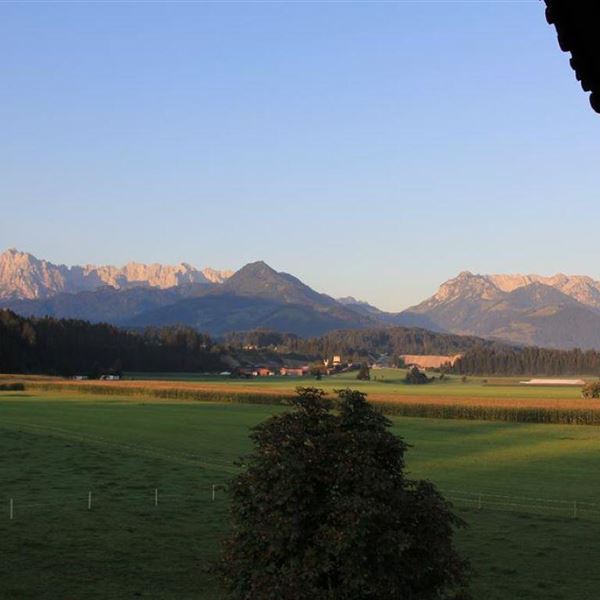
[364, 372]
[70, 347]
[416, 377]
[528, 360]
[323, 510]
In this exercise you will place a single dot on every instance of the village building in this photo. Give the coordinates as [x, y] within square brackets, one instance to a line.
[264, 372]
[382, 362]
[294, 371]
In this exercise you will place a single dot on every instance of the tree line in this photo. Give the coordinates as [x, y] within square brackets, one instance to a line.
[529, 360]
[72, 347]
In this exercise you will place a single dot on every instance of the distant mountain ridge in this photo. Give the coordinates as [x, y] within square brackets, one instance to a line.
[582, 288]
[258, 296]
[255, 296]
[24, 276]
[560, 311]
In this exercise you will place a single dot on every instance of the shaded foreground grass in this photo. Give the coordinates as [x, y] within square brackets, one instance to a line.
[53, 450]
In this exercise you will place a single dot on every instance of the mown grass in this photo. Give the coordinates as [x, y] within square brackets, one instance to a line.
[56, 447]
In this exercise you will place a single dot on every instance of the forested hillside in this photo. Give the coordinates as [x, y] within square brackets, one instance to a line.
[392, 340]
[70, 347]
[364, 342]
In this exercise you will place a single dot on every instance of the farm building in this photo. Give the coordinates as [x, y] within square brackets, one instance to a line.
[383, 362]
[293, 371]
[335, 361]
[264, 372]
[429, 361]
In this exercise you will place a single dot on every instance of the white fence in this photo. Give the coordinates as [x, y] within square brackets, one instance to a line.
[89, 500]
[154, 497]
[573, 509]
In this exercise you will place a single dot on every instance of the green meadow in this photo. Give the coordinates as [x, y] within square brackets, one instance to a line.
[56, 448]
[387, 381]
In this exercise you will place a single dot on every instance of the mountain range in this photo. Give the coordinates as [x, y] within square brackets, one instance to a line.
[216, 302]
[560, 311]
[23, 276]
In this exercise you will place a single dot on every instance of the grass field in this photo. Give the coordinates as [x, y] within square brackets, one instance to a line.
[500, 399]
[384, 382]
[55, 448]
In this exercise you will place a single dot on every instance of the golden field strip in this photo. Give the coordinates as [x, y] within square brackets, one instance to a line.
[450, 399]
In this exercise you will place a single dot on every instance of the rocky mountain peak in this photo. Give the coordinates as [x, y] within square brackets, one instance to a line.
[23, 276]
[466, 285]
[351, 300]
[582, 288]
[558, 311]
[215, 276]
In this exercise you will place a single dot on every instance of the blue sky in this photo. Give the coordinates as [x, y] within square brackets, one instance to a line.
[373, 149]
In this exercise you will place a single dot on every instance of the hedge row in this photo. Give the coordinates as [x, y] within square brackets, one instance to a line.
[12, 387]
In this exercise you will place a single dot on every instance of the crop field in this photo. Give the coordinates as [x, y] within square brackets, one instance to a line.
[502, 399]
[384, 382]
[152, 527]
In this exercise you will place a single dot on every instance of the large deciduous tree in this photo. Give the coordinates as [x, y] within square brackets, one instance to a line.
[323, 510]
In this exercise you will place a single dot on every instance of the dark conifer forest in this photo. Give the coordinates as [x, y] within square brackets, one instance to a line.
[70, 347]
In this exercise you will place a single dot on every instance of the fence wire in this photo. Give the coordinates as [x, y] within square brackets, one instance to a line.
[90, 500]
[524, 504]
[101, 499]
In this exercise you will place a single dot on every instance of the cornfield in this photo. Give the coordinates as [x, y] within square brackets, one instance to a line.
[519, 410]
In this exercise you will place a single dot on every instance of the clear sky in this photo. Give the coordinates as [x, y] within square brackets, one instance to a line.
[369, 148]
